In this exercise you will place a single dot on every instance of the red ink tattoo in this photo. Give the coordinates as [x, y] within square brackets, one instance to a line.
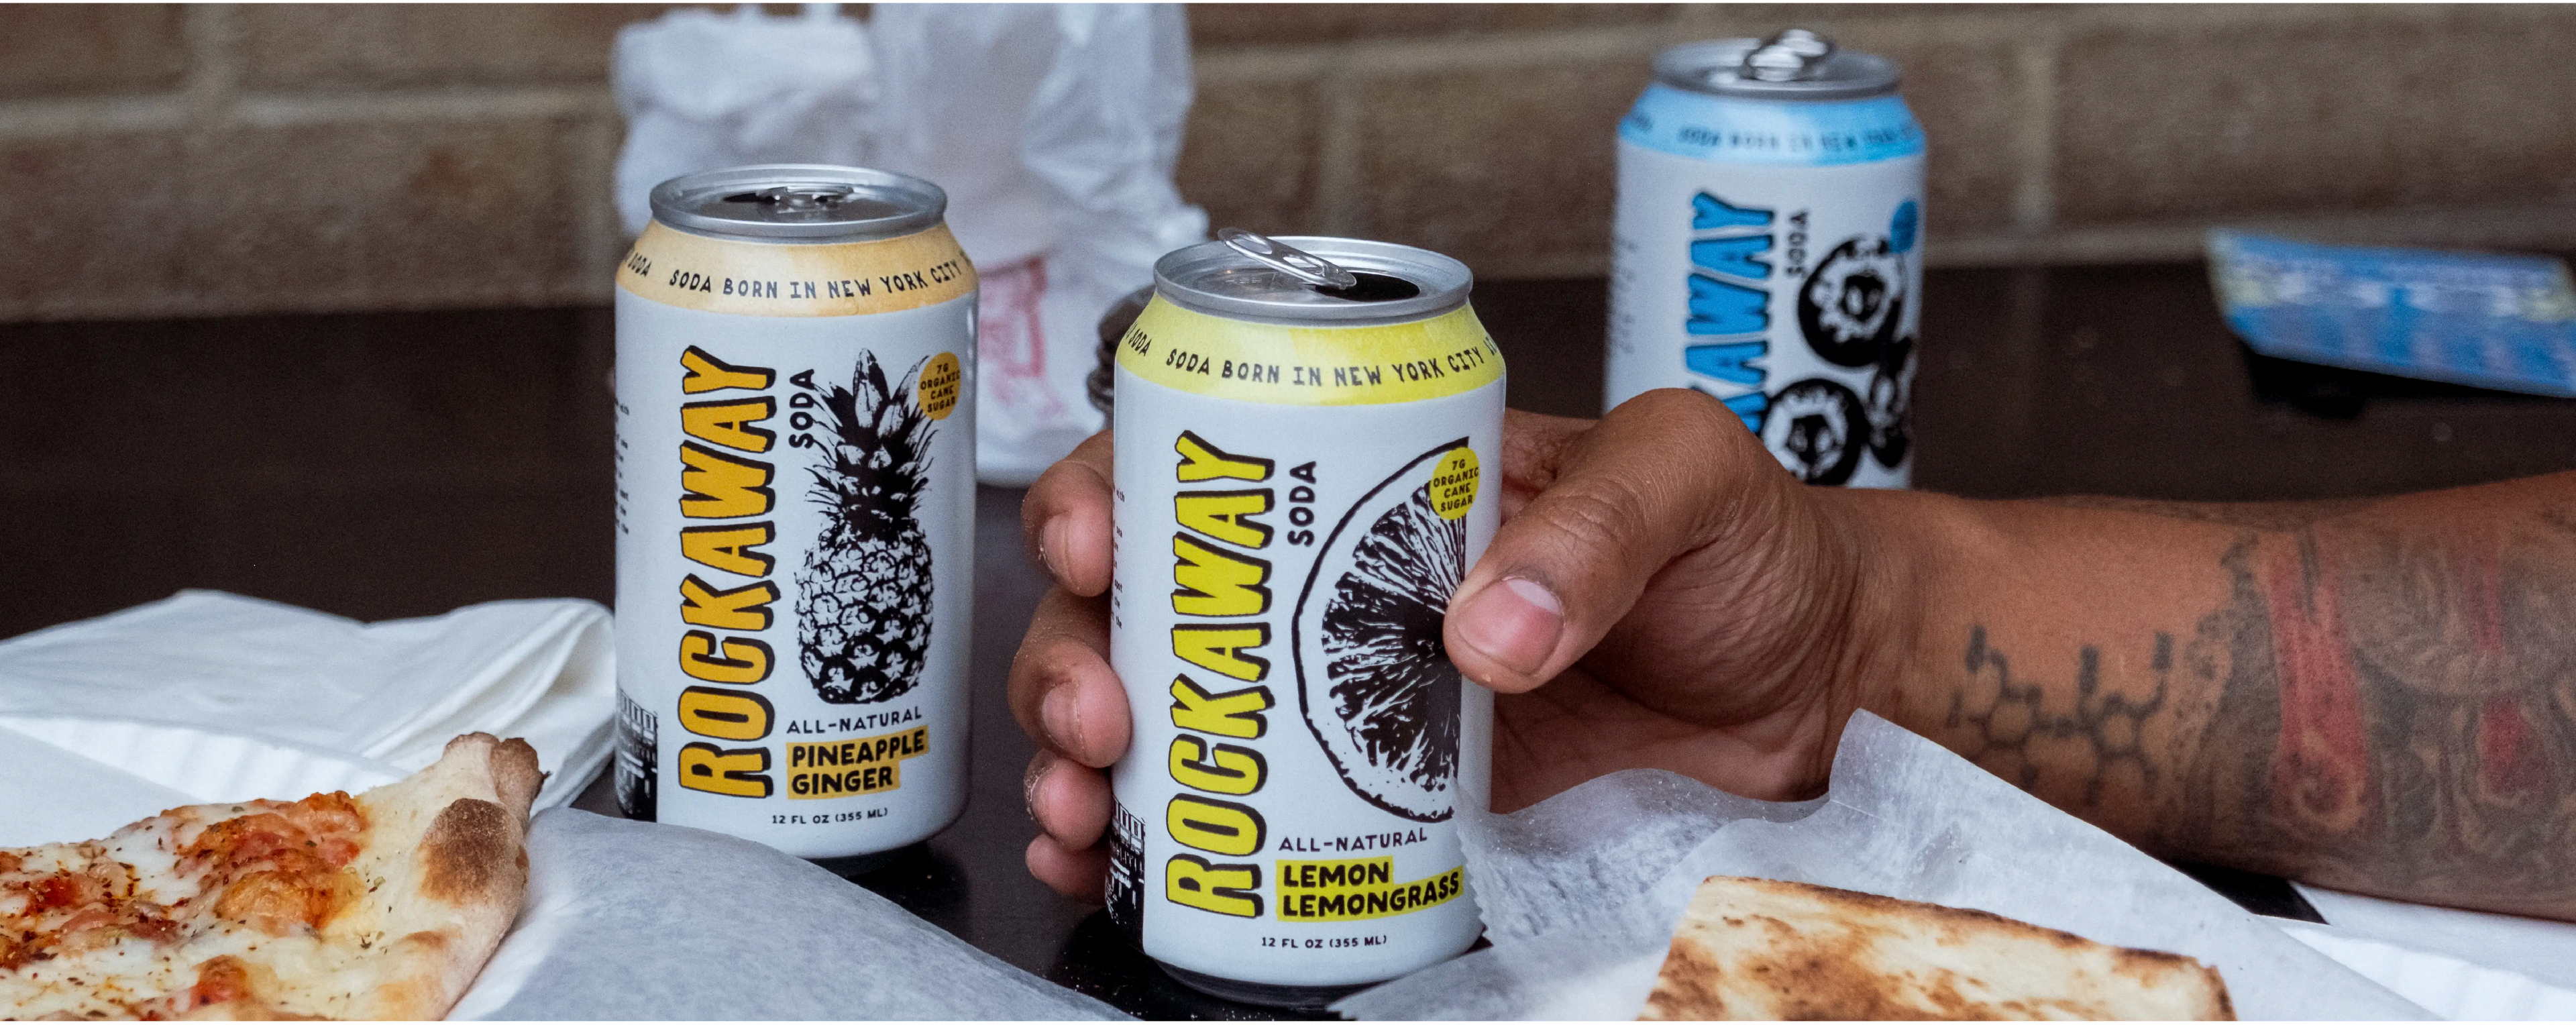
[2506, 768]
[2321, 768]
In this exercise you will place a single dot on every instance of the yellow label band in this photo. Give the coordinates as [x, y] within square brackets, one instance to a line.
[1310, 366]
[849, 768]
[1355, 888]
[772, 279]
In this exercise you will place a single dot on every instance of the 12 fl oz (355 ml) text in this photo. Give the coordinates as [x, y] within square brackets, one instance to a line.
[825, 820]
[1322, 942]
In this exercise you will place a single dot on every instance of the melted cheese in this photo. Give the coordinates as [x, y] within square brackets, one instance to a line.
[362, 961]
[133, 976]
[152, 850]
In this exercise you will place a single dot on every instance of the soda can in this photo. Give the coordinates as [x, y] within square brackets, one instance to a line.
[1766, 249]
[1302, 425]
[795, 509]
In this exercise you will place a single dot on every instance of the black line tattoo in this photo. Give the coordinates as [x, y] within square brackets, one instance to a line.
[2109, 723]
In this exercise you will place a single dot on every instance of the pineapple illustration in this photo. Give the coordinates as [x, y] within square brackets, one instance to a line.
[863, 596]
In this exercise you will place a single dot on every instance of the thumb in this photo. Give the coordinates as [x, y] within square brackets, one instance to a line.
[1663, 474]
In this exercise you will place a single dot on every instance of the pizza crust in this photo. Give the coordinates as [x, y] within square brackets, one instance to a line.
[1765, 949]
[448, 867]
[387, 907]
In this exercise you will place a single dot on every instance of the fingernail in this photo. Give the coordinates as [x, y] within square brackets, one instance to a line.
[1515, 622]
[1062, 717]
[1051, 547]
[1038, 767]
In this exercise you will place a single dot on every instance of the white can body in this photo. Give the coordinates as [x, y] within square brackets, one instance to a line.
[1768, 254]
[749, 561]
[1278, 821]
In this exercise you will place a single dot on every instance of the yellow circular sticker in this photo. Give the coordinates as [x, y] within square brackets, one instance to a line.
[1453, 483]
[939, 381]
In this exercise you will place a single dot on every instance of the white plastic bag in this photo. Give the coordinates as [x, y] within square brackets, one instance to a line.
[1053, 128]
[702, 90]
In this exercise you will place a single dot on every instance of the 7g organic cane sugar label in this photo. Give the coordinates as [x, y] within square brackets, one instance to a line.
[1295, 506]
[796, 500]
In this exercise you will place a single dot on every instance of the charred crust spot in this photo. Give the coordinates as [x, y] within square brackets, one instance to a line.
[2224, 1007]
[1692, 987]
[471, 853]
[429, 938]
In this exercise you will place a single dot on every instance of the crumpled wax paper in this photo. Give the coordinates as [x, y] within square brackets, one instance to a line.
[1581, 892]
[638, 920]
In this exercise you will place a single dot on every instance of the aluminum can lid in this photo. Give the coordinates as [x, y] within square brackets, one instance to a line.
[1397, 283]
[799, 203]
[1794, 65]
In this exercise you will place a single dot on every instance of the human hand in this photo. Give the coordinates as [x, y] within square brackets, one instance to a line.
[1660, 594]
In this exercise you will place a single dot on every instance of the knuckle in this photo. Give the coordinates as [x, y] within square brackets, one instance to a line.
[1095, 450]
[1602, 516]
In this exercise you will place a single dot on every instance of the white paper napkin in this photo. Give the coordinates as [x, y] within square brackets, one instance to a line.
[1580, 893]
[636, 920]
[2541, 949]
[387, 694]
[54, 795]
[2458, 989]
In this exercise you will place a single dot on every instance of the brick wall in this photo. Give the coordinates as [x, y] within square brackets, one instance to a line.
[161, 161]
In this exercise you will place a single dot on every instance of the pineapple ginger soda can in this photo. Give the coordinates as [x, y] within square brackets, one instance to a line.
[1766, 249]
[1303, 425]
[796, 501]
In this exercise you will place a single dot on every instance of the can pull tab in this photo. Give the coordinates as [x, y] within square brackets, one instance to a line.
[795, 197]
[1793, 54]
[1287, 259]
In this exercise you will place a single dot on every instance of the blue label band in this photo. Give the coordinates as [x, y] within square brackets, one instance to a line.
[1780, 132]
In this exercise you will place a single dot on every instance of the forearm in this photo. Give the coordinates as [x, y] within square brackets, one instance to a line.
[2378, 696]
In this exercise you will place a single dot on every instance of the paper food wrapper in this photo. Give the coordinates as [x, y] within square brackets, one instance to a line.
[223, 697]
[1581, 892]
[637, 920]
[2447, 986]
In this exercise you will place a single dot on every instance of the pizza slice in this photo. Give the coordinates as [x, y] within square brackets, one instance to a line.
[383, 905]
[1764, 949]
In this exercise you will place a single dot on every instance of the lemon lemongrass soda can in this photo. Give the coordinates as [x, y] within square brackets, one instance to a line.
[1307, 435]
[1767, 249]
[796, 501]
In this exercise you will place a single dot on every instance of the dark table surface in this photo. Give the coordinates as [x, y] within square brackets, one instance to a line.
[971, 880]
[399, 464]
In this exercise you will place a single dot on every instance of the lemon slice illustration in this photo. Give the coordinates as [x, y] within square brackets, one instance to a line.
[1373, 678]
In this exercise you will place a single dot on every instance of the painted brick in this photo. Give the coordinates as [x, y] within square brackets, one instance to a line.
[86, 49]
[2366, 110]
[1276, 24]
[320, 46]
[87, 226]
[1507, 168]
[1250, 155]
[324, 217]
[356, 216]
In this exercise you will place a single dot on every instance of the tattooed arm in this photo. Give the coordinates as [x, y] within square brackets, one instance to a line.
[2374, 696]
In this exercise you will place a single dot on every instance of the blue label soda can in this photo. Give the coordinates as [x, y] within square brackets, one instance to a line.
[1767, 248]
